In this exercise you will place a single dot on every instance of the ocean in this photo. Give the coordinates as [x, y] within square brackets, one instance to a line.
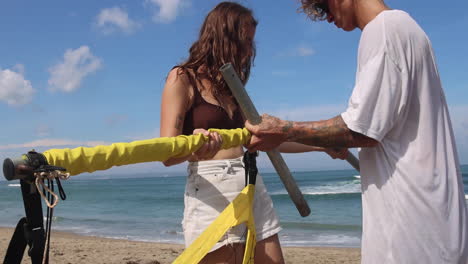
[149, 207]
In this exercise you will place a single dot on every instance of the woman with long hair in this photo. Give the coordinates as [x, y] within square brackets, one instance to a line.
[196, 98]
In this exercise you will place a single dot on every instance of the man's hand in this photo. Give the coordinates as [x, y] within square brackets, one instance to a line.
[211, 147]
[269, 134]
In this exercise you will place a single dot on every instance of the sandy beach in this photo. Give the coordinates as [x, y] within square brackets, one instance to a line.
[68, 248]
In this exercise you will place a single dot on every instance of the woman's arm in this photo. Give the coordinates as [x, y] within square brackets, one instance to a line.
[176, 99]
[293, 147]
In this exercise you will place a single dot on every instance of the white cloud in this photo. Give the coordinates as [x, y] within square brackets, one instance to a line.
[299, 51]
[166, 10]
[304, 51]
[43, 130]
[53, 143]
[113, 19]
[154, 133]
[19, 68]
[14, 89]
[77, 64]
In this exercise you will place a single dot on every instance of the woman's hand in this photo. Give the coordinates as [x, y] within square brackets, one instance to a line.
[211, 147]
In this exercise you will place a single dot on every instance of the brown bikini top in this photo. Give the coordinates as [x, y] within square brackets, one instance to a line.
[206, 115]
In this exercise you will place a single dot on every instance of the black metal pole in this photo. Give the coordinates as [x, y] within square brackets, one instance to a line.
[30, 229]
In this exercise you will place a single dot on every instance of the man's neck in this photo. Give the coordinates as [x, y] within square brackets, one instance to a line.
[367, 10]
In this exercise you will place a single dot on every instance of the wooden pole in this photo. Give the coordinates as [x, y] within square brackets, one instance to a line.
[351, 159]
[250, 112]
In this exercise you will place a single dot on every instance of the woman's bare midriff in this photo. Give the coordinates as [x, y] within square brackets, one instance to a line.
[231, 153]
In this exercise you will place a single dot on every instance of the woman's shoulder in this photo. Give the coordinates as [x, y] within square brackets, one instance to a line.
[178, 81]
[178, 75]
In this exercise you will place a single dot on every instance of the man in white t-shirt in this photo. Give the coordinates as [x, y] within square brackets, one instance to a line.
[413, 203]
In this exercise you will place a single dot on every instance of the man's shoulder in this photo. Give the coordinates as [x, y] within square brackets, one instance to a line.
[391, 32]
[389, 21]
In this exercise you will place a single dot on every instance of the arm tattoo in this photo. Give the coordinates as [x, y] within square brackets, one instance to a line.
[179, 122]
[287, 127]
[332, 133]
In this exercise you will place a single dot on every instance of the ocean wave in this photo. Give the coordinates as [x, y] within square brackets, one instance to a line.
[55, 219]
[14, 185]
[319, 226]
[336, 240]
[169, 237]
[344, 187]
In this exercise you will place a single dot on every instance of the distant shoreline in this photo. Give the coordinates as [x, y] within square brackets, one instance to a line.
[171, 173]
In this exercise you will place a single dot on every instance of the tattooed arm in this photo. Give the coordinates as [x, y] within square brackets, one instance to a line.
[331, 133]
[176, 99]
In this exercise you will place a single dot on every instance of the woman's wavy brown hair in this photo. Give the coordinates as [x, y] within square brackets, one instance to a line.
[316, 10]
[223, 38]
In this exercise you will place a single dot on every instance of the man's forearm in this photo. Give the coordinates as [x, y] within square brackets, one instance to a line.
[331, 133]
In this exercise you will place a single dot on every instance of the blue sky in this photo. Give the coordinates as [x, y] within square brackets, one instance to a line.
[81, 73]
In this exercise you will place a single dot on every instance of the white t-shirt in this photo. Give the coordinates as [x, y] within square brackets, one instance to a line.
[414, 207]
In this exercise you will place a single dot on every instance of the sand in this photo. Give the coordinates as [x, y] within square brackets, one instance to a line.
[68, 248]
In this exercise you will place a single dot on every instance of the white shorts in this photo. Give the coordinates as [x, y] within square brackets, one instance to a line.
[211, 186]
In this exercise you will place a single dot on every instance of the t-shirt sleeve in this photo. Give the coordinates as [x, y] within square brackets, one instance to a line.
[377, 99]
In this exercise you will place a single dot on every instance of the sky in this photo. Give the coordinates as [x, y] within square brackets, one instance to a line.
[87, 73]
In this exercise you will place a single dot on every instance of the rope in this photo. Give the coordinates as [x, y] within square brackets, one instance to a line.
[41, 176]
[51, 196]
[50, 213]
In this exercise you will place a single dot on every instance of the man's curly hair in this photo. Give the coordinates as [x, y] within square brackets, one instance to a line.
[316, 10]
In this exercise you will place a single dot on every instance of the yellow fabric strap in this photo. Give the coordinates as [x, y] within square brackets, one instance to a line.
[237, 212]
[81, 159]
